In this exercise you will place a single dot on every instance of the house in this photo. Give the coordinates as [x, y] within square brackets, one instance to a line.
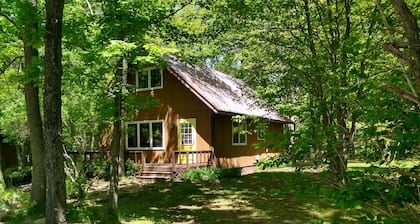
[194, 122]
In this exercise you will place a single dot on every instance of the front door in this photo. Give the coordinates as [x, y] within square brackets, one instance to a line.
[186, 140]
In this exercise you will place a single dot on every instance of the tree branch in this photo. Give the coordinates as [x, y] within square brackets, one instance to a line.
[172, 13]
[402, 93]
[8, 18]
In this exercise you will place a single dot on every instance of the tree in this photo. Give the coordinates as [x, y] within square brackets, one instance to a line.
[407, 52]
[25, 21]
[54, 161]
[31, 90]
[315, 56]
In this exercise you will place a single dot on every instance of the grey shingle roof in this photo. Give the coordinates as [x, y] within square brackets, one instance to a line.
[222, 93]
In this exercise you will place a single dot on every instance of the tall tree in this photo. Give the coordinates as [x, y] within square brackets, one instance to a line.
[407, 51]
[31, 90]
[54, 160]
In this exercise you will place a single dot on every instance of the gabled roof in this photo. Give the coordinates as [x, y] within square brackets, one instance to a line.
[222, 93]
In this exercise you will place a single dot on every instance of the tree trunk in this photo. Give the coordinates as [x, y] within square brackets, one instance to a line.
[121, 168]
[54, 160]
[115, 149]
[2, 182]
[33, 113]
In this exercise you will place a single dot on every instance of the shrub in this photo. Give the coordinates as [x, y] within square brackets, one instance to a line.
[18, 175]
[98, 168]
[131, 168]
[76, 190]
[199, 175]
[273, 162]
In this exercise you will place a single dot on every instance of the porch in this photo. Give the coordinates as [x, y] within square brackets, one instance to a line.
[180, 162]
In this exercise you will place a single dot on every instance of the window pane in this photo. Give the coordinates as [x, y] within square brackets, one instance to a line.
[238, 132]
[186, 134]
[143, 78]
[155, 78]
[157, 134]
[242, 138]
[132, 135]
[144, 136]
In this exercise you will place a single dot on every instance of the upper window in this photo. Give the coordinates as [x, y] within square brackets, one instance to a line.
[149, 79]
[239, 133]
[145, 135]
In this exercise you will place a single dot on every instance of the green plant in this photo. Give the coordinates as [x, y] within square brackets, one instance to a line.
[77, 189]
[17, 176]
[98, 168]
[198, 175]
[131, 167]
[14, 204]
[273, 162]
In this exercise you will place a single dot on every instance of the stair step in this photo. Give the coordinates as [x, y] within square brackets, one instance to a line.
[155, 172]
[153, 178]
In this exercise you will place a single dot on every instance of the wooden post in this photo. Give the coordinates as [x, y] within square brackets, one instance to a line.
[173, 163]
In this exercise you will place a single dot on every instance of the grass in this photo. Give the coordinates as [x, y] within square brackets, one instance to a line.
[266, 197]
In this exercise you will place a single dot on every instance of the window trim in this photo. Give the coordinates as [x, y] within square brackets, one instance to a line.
[239, 134]
[150, 122]
[149, 79]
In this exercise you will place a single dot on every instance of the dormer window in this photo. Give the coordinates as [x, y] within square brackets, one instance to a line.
[149, 79]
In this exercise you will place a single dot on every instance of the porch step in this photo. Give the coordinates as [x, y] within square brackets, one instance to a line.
[153, 172]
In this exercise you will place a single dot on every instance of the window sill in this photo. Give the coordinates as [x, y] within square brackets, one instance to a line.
[149, 89]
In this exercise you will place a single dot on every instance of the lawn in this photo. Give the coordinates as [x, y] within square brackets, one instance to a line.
[265, 197]
[276, 196]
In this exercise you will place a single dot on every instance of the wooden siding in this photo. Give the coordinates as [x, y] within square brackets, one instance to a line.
[228, 155]
[175, 102]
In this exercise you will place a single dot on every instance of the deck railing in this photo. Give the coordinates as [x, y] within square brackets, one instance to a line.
[193, 158]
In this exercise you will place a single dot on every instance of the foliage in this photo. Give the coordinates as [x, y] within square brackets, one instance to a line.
[211, 175]
[14, 203]
[17, 176]
[98, 169]
[387, 189]
[131, 168]
[273, 162]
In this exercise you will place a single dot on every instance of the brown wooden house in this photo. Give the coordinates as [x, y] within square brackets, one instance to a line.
[193, 124]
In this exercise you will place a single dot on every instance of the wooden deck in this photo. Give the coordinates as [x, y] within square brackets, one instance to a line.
[181, 162]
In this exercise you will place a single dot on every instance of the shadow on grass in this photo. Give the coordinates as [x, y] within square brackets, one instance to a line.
[268, 197]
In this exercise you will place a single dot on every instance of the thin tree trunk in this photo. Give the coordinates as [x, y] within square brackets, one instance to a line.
[54, 159]
[2, 182]
[121, 168]
[33, 113]
[115, 150]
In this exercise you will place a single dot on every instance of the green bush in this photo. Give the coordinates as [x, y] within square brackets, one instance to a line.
[200, 175]
[131, 168]
[98, 168]
[18, 175]
[273, 162]
[76, 190]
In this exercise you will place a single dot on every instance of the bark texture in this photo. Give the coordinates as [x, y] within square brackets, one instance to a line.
[54, 159]
[33, 113]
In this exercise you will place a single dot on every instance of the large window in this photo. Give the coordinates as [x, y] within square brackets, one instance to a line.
[149, 79]
[145, 135]
[239, 133]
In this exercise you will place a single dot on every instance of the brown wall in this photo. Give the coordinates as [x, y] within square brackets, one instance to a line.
[175, 102]
[229, 155]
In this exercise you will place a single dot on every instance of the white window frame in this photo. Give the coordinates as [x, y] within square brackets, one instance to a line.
[244, 132]
[150, 135]
[191, 133]
[149, 79]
